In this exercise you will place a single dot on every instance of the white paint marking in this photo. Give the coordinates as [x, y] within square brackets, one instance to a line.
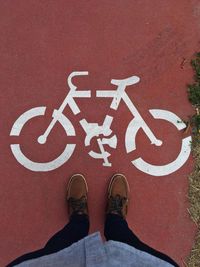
[26, 116]
[168, 116]
[140, 120]
[42, 167]
[37, 166]
[130, 136]
[163, 170]
[130, 143]
[94, 129]
[65, 122]
[118, 94]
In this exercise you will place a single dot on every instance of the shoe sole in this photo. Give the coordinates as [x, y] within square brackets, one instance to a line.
[70, 181]
[112, 179]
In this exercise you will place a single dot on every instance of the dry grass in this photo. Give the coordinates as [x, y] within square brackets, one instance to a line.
[194, 196]
[194, 178]
[194, 258]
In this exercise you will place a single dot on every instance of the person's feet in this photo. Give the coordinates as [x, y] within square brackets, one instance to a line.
[77, 195]
[118, 194]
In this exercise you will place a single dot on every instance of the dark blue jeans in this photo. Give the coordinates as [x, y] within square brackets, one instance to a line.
[116, 228]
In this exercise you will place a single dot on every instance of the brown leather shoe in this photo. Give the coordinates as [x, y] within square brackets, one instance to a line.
[77, 195]
[118, 194]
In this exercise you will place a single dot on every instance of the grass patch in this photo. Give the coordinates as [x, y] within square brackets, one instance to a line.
[194, 178]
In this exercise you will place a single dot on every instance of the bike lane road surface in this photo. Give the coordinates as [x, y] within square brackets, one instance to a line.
[42, 42]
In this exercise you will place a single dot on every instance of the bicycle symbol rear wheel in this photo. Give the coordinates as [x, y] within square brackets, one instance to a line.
[44, 166]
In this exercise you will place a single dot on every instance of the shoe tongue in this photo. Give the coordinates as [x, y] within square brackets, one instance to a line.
[119, 197]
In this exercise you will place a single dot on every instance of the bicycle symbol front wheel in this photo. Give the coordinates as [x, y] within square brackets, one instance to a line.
[44, 166]
[155, 170]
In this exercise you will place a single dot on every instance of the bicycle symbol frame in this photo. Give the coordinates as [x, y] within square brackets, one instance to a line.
[94, 130]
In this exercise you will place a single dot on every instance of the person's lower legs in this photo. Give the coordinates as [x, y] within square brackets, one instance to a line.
[75, 230]
[116, 229]
[25, 257]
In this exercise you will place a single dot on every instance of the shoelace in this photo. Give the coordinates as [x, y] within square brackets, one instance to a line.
[116, 204]
[78, 205]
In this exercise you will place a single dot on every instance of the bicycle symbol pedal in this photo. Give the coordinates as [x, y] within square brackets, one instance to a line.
[94, 130]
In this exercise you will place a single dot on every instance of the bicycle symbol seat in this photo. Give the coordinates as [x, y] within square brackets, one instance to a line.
[103, 133]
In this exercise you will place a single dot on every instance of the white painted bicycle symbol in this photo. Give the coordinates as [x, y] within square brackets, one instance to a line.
[94, 130]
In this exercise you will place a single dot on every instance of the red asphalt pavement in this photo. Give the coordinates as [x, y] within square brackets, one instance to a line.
[41, 43]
